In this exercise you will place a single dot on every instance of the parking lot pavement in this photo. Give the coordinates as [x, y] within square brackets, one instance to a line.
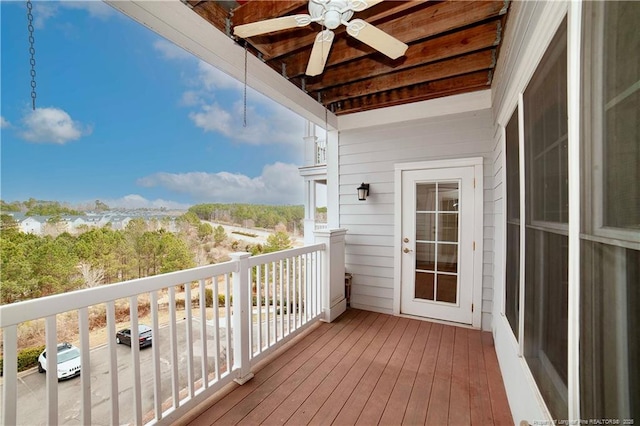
[32, 408]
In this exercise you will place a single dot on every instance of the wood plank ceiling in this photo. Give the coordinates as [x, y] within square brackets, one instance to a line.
[453, 48]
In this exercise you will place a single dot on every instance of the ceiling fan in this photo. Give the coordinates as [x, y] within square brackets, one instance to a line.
[330, 14]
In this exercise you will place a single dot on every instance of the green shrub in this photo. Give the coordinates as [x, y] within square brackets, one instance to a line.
[221, 300]
[27, 358]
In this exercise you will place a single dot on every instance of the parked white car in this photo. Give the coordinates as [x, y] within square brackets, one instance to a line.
[68, 361]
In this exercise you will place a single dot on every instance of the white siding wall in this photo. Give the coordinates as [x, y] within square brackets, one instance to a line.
[369, 155]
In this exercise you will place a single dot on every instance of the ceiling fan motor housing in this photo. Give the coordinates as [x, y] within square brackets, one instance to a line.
[330, 13]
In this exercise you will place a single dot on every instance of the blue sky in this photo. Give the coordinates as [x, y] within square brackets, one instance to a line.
[126, 117]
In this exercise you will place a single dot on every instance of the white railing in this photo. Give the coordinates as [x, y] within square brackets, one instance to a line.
[321, 151]
[277, 295]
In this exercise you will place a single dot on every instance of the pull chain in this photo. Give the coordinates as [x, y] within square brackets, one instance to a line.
[245, 84]
[32, 52]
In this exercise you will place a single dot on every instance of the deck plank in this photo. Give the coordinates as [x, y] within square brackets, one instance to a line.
[334, 403]
[358, 399]
[399, 399]
[499, 405]
[379, 398]
[330, 385]
[298, 395]
[261, 381]
[480, 404]
[438, 410]
[372, 368]
[459, 405]
[278, 387]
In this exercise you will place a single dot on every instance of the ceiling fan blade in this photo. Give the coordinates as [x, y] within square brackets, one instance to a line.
[360, 5]
[378, 39]
[320, 53]
[270, 25]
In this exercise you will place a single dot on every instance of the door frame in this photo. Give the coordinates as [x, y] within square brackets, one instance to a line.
[478, 231]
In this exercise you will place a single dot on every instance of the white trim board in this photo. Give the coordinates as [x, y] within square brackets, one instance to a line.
[448, 105]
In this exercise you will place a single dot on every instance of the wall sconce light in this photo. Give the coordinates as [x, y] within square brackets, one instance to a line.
[363, 191]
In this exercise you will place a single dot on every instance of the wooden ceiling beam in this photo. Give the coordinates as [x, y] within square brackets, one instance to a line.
[212, 12]
[428, 22]
[460, 65]
[259, 10]
[420, 92]
[448, 46]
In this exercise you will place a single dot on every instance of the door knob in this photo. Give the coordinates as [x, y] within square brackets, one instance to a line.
[406, 240]
[406, 250]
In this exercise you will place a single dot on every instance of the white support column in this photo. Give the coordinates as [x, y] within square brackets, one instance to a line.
[333, 193]
[241, 324]
[334, 302]
[310, 140]
[309, 211]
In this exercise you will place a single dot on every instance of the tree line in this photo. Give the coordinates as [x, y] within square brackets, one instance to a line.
[257, 215]
[34, 266]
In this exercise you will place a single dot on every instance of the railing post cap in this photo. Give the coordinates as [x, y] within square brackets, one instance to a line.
[330, 232]
[239, 255]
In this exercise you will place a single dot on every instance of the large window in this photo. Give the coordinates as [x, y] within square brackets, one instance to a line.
[610, 213]
[546, 217]
[512, 282]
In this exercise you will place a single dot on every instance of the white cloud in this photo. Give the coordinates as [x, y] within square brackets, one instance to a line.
[52, 125]
[279, 183]
[45, 10]
[135, 201]
[212, 78]
[170, 50]
[4, 123]
[95, 8]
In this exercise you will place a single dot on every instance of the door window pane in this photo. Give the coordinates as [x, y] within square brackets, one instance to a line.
[448, 196]
[425, 285]
[425, 226]
[447, 288]
[448, 227]
[426, 197]
[448, 258]
[425, 256]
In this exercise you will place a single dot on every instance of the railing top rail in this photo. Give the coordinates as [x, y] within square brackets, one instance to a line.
[284, 254]
[16, 313]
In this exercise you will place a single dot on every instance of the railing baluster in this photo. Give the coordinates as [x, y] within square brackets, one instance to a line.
[266, 304]
[203, 333]
[227, 306]
[216, 325]
[113, 362]
[288, 298]
[299, 285]
[85, 366]
[173, 345]
[157, 378]
[259, 306]
[281, 285]
[51, 333]
[189, 338]
[274, 295]
[135, 359]
[10, 372]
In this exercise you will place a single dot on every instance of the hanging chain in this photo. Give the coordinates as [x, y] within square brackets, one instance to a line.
[32, 52]
[245, 84]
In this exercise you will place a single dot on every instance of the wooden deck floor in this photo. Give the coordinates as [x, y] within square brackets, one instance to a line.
[368, 368]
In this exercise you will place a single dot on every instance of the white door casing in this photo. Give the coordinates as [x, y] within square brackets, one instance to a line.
[439, 243]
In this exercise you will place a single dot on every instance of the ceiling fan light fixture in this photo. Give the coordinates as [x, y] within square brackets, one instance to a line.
[332, 19]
